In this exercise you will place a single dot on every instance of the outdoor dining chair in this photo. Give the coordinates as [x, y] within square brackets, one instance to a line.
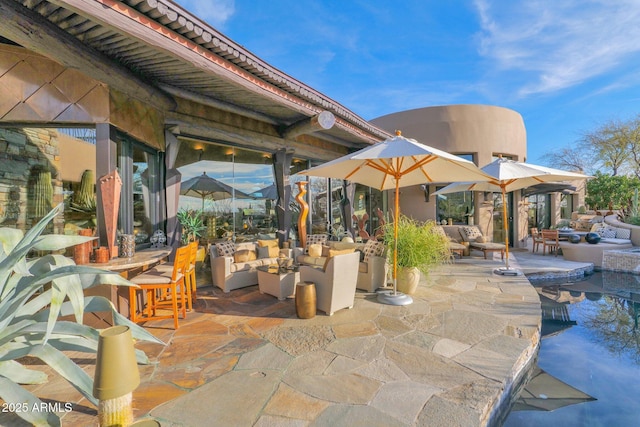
[537, 239]
[191, 274]
[551, 240]
[163, 289]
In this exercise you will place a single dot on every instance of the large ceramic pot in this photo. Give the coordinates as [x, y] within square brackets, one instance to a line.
[407, 280]
[592, 238]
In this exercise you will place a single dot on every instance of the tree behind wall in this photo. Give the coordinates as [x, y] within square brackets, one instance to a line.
[618, 191]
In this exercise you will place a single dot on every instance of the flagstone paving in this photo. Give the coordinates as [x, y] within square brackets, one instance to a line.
[245, 359]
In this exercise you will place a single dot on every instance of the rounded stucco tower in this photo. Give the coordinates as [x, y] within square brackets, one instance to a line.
[484, 131]
[477, 132]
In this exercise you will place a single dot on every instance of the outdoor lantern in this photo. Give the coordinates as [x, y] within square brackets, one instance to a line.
[158, 239]
[116, 376]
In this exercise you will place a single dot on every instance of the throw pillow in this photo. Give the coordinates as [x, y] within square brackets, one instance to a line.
[244, 255]
[480, 239]
[439, 231]
[313, 239]
[274, 249]
[263, 252]
[315, 250]
[334, 252]
[608, 233]
[226, 248]
[623, 233]
[325, 250]
[373, 248]
[470, 234]
[597, 228]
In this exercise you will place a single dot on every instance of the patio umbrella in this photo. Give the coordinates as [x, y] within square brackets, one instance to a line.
[545, 392]
[393, 163]
[268, 192]
[206, 187]
[507, 176]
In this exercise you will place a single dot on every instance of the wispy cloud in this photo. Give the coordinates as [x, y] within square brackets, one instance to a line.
[558, 44]
[213, 12]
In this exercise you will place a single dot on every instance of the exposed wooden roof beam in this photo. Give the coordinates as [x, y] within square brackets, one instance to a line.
[195, 128]
[215, 103]
[323, 121]
[35, 33]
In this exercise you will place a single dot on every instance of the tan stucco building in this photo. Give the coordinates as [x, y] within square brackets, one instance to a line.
[479, 133]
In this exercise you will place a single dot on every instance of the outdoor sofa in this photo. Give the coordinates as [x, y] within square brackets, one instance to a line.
[234, 265]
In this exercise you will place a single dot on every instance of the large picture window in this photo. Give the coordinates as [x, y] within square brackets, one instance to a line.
[140, 169]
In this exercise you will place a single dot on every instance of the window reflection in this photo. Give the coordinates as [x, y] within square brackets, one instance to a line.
[247, 210]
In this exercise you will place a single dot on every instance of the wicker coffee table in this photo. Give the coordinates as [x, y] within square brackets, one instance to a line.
[280, 283]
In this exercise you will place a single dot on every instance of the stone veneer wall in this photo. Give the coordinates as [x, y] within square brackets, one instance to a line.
[23, 153]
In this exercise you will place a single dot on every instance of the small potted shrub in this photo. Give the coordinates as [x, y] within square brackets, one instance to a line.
[192, 225]
[419, 250]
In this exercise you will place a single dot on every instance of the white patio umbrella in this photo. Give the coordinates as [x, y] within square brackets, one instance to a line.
[507, 176]
[393, 163]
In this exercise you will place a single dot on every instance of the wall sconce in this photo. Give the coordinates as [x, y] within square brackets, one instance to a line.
[427, 192]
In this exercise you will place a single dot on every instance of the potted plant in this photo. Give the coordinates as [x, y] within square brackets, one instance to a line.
[192, 225]
[419, 249]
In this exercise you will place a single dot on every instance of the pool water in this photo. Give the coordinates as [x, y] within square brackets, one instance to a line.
[591, 341]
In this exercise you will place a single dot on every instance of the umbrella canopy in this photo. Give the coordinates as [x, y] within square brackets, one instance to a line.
[204, 186]
[545, 392]
[268, 192]
[399, 162]
[507, 176]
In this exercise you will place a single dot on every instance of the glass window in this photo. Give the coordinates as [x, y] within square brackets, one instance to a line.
[566, 206]
[139, 167]
[539, 211]
[243, 204]
[43, 167]
[455, 206]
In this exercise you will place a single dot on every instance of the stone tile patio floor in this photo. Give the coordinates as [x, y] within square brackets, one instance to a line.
[245, 359]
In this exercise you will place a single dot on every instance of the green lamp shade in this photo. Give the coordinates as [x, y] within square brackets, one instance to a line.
[116, 367]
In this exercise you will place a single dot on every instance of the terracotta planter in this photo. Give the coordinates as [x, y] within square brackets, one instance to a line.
[407, 280]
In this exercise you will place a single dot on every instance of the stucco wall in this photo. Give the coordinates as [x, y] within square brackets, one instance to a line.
[483, 131]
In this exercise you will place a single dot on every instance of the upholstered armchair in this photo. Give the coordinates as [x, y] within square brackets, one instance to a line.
[336, 284]
[373, 269]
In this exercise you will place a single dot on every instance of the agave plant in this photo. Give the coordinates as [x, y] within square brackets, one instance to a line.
[34, 295]
[192, 225]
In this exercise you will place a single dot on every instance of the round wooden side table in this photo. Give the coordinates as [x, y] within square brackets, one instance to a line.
[306, 300]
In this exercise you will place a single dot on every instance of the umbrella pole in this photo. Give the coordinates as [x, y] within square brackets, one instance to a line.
[506, 270]
[393, 297]
[395, 239]
[506, 224]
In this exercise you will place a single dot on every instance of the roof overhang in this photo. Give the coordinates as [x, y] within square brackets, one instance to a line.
[156, 51]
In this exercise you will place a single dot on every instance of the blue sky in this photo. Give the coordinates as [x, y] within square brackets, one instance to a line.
[565, 65]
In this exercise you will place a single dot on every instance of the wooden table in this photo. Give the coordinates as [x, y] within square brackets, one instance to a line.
[141, 261]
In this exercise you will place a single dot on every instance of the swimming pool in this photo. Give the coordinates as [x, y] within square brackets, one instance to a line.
[591, 341]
